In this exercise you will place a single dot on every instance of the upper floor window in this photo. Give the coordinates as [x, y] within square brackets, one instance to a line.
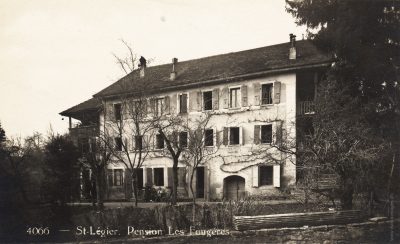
[158, 106]
[266, 133]
[118, 143]
[159, 142]
[183, 139]
[138, 142]
[234, 97]
[234, 136]
[207, 100]
[117, 111]
[209, 137]
[266, 94]
[183, 103]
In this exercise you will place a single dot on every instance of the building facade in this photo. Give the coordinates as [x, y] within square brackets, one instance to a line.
[255, 100]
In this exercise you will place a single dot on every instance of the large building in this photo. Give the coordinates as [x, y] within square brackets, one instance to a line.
[257, 98]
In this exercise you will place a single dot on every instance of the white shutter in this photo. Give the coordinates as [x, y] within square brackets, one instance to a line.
[166, 176]
[277, 175]
[255, 175]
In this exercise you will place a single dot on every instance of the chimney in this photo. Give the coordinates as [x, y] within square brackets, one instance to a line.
[292, 50]
[173, 72]
[142, 66]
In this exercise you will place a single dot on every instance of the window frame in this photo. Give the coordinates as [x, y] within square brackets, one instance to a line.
[158, 110]
[261, 181]
[180, 103]
[118, 143]
[187, 139]
[230, 135]
[261, 134]
[161, 176]
[157, 141]
[271, 84]
[117, 116]
[237, 96]
[210, 100]
[141, 142]
[113, 179]
[207, 137]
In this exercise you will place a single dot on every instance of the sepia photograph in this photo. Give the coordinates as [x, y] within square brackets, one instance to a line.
[173, 121]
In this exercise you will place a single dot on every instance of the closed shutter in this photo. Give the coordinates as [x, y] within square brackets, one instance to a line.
[255, 175]
[167, 182]
[215, 99]
[277, 92]
[149, 176]
[225, 136]
[257, 93]
[244, 96]
[173, 104]
[277, 175]
[278, 133]
[192, 101]
[167, 104]
[257, 130]
[198, 100]
[225, 97]
[128, 184]
[206, 183]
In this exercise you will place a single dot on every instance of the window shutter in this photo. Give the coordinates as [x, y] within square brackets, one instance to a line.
[255, 175]
[128, 184]
[192, 101]
[244, 96]
[215, 98]
[225, 97]
[257, 134]
[257, 93]
[149, 176]
[110, 112]
[215, 139]
[167, 104]
[170, 177]
[278, 133]
[277, 92]
[198, 100]
[126, 142]
[277, 175]
[241, 136]
[225, 136]
[173, 104]
[206, 183]
[153, 105]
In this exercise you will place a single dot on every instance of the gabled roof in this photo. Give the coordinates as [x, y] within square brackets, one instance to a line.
[209, 70]
[225, 66]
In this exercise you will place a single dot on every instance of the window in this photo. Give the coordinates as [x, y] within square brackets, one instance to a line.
[158, 176]
[183, 103]
[266, 133]
[234, 97]
[183, 139]
[209, 137]
[207, 100]
[138, 142]
[117, 111]
[115, 177]
[266, 94]
[159, 142]
[266, 175]
[158, 106]
[118, 143]
[234, 136]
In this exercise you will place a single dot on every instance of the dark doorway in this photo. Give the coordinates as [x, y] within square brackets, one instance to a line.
[234, 187]
[140, 178]
[200, 182]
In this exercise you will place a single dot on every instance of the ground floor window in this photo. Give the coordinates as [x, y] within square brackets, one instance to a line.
[266, 175]
[158, 176]
[115, 177]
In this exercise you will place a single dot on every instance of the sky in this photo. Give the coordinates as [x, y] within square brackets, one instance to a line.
[55, 54]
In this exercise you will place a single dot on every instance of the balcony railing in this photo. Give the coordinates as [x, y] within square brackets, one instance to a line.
[305, 108]
[84, 131]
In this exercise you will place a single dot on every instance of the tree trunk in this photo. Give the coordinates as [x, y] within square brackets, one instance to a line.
[193, 196]
[175, 182]
[100, 188]
[135, 186]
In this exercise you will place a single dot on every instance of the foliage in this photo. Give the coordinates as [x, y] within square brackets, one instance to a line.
[62, 169]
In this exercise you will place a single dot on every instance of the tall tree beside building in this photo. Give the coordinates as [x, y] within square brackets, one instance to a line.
[364, 38]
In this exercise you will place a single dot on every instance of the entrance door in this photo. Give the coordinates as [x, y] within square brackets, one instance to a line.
[200, 182]
[234, 187]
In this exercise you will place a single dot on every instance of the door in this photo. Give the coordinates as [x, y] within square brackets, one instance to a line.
[234, 187]
[200, 182]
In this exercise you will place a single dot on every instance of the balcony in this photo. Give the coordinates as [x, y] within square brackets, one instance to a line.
[84, 131]
[305, 108]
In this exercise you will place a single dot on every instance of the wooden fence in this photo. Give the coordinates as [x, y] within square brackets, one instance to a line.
[296, 219]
